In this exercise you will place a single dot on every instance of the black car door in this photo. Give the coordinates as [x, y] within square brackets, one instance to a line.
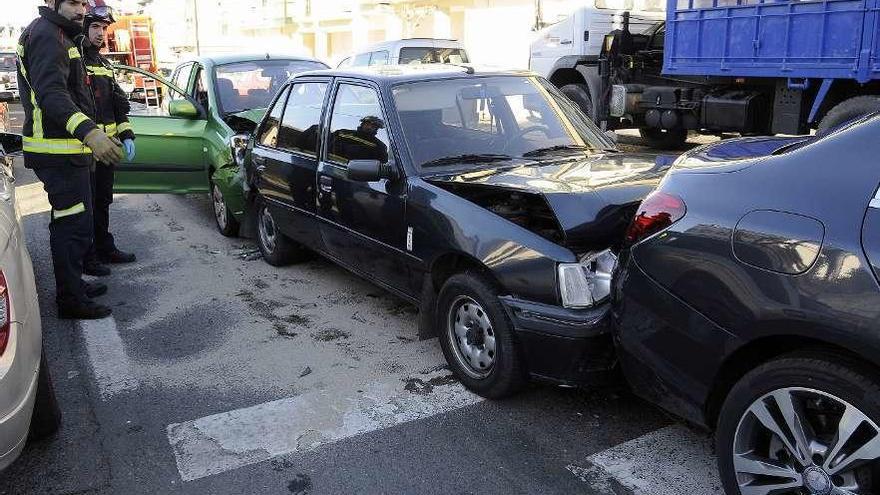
[362, 223]
[285, 156]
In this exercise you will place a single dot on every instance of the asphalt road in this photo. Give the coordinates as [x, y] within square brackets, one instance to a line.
[221, 374]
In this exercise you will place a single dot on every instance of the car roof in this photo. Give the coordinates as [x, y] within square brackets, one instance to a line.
[248, 57]
[412, 42]
[395, 74]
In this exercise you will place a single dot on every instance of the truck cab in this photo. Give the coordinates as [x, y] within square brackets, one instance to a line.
[567, 52]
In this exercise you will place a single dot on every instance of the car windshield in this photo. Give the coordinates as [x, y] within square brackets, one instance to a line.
[7, 62]
[247, 85]
[430, 55]
[451, 122]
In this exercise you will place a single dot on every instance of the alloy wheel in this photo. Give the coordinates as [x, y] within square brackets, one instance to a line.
[802, 441]
[268, 233]
[473, 338]
[219, 206]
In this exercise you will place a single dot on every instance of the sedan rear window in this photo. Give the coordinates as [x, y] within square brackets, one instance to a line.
[430, 55]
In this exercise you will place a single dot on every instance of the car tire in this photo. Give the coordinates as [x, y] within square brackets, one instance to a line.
[820, 386]
[664, 139]
[493, 370]
[46, 418]
[847, 111]
[226, 222]
[580, 94]
[276, 248]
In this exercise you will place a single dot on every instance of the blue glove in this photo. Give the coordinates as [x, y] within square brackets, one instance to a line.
[128, 144]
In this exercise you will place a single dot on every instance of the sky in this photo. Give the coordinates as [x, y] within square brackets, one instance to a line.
[22, 12]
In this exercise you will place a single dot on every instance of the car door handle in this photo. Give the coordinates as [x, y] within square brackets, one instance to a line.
[259, 162]
[326, 184]
[565, 42]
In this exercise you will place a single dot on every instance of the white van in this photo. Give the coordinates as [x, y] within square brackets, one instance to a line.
[409, 51]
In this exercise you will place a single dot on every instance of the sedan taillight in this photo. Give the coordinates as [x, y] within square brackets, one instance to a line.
[657, 212]
[5, 308]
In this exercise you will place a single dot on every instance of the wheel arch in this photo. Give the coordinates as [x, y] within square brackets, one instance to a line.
[448, 264]
[760, 351]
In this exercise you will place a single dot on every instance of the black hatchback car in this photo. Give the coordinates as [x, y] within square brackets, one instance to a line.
[487, 198]
[749, 303]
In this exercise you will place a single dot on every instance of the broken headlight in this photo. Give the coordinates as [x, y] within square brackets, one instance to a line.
[588, 282]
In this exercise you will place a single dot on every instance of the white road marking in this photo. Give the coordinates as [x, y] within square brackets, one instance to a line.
[110, 363]
[668, 461]
[230, 440]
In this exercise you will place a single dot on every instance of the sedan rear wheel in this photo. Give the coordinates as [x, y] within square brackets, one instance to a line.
[477, 337]
[801, 426]
[226, 223]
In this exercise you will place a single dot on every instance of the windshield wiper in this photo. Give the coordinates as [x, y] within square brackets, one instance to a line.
[561, 147]
[467, 158]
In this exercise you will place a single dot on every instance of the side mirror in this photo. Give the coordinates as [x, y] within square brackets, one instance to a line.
[184, 109]
[370, 171]
[10, 143]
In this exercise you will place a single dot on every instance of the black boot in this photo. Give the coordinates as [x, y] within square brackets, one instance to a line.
[95, 269]
[87, 310]
[94, 290]
[116, 257]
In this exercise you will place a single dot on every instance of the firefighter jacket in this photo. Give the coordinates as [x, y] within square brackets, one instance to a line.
[111, 101]
[58, 104]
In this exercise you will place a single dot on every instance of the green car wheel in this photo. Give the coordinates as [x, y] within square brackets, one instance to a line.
[226, 223]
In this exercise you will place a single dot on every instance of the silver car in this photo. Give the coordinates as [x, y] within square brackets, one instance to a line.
[27, 402]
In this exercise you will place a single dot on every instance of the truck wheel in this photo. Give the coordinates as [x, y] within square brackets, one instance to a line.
[277, 249]
[848, 111]
[226, 223]
[580, 94]
[664, 139]
[476, 337]
[805, 423]
[46, 418]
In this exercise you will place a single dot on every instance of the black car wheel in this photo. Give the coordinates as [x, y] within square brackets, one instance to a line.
[226, 223]
[277, 249]
[46, 418]
[477, 338]
[803, 424]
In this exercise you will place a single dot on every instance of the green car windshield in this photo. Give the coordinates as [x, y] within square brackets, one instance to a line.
[467, 121]
[247, 85]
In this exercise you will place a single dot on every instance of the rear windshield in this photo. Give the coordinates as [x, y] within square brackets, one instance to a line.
[428, 55]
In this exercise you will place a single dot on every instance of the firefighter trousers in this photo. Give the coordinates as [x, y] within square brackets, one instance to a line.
[70, 228]
[102, 197]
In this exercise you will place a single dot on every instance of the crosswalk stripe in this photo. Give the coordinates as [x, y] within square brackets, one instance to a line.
[222, 442]
[668, 461]
[110, 363]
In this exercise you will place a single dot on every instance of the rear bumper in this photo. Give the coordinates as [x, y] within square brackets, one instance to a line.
[565, 346]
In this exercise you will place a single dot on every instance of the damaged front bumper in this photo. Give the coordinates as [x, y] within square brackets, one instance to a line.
[565, 346]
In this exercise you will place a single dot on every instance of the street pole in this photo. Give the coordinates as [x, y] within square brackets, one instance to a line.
[196, 15]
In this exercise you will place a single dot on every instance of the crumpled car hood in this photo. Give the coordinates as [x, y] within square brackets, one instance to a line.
[593, 199]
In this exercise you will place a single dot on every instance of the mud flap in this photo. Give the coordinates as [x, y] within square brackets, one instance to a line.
[427, 309]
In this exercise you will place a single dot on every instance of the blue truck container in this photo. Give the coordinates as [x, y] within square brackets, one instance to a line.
[747, 66]
[830, 39]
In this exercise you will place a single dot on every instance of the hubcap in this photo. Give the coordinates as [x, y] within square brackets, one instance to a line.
[219, 206]
[805, 442]
[267, 230]
[472, 335]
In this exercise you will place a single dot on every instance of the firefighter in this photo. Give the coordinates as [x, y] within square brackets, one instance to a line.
[111, 107]
[60, 138]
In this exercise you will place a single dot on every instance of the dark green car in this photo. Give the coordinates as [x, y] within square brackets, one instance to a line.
[186, 127]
